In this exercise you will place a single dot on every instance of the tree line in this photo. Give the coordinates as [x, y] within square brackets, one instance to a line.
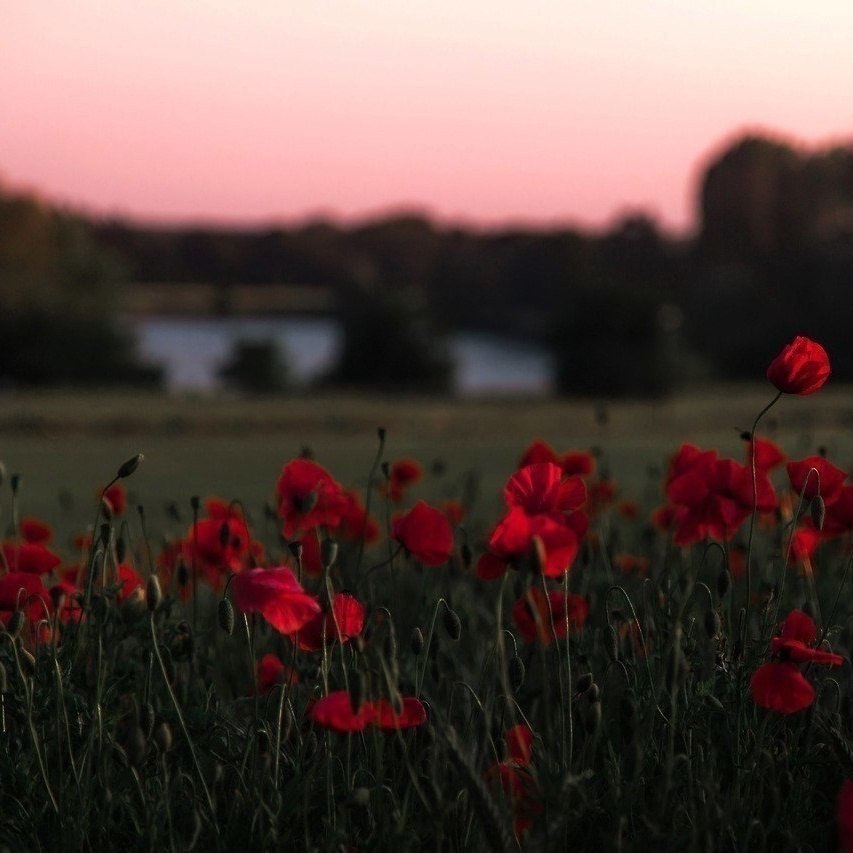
[632, 310]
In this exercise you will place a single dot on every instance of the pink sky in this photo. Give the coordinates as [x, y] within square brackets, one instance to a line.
[482, 112]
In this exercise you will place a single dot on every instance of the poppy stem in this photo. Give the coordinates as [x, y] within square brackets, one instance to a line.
[754, 499]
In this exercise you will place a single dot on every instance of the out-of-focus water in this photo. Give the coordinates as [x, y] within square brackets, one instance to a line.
[192, 350]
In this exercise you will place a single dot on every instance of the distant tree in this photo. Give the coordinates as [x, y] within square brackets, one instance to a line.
[59, 294]
[389, 343]
[255, 367]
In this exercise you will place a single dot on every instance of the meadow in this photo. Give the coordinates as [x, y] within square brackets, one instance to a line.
[345, 623]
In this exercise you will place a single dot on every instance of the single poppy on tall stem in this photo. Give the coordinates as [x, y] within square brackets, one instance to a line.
[802, 367]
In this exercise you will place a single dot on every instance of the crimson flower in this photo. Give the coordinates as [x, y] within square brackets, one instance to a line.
[335, 712]
[554, 541]
[308, 497]
[798, 631]
[538, 451]
[129, 579]
[33, 557]
[401, 475]
[272, 671]
[344, 623]
[839, 514]
[578, 462]
[35, 530]
[541, 618]
[276, 595]
[802, 367]
[768, 455]
[412, 713]
[541, 488]
[781, 687]
[514, 781]
[116, 497]
[425, 533]
[828, 482]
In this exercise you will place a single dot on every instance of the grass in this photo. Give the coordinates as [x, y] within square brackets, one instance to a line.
[139, 726]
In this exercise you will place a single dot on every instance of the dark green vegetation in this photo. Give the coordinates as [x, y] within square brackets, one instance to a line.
[139, 729]
[632, 311]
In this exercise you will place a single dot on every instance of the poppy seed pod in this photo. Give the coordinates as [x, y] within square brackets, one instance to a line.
[584, 682]
[153, 593]
[516, 672]
[163, 737]
[146, 718]
[225, 616]
[28, 662]
[15, 483]
[135, 746]
[416, 643]
[128, 467]
[452, 624]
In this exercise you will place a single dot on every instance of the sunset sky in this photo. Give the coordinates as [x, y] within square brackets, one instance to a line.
[480, 112]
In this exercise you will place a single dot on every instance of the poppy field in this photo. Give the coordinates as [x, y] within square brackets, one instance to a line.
[395, 660]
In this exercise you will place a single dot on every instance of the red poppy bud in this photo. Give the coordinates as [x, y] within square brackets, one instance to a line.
[801, 368]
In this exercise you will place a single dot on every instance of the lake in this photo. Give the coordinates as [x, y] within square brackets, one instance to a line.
[191, 351]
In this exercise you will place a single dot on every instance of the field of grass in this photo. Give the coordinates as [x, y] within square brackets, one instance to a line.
[156, 699]
[71, 442]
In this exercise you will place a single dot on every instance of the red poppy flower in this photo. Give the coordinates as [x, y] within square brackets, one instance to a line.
[401, 475]
[116, 497]
[630, 564]
[844, 817]
[308, 497]
[35, 530]
[511, 779]
[541, 488]
[31, 557]
[63, 596]
[713, 496]
[781, 687]
[801, 368]
[271, 671]
[355, 523]
[24, 589]
[425, 533]
[538, 451]
[538, 617]
[129, 579]
[578, 462]
[276, 595]
[828, 482]
[839, 514]
[793, 643]
[346, 623]
[412, 714]
[767, 454]
[804, 542]
[556, 541]
[335, 712]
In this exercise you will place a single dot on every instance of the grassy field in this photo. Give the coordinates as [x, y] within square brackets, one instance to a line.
[70, 443]
[601, 707]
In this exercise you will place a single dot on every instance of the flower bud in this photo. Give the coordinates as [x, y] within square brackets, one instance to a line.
[16, 622]
[163, 737]
[225, 615]
[452, 624]
[153, 593]
[416, 643]
[133, 606]
[584, 682]
[516, 672]
[128, 467]
[592, 718]
[135, 746]
[15, 483]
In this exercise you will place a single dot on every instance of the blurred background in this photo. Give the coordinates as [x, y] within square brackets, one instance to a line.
[548, 199]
